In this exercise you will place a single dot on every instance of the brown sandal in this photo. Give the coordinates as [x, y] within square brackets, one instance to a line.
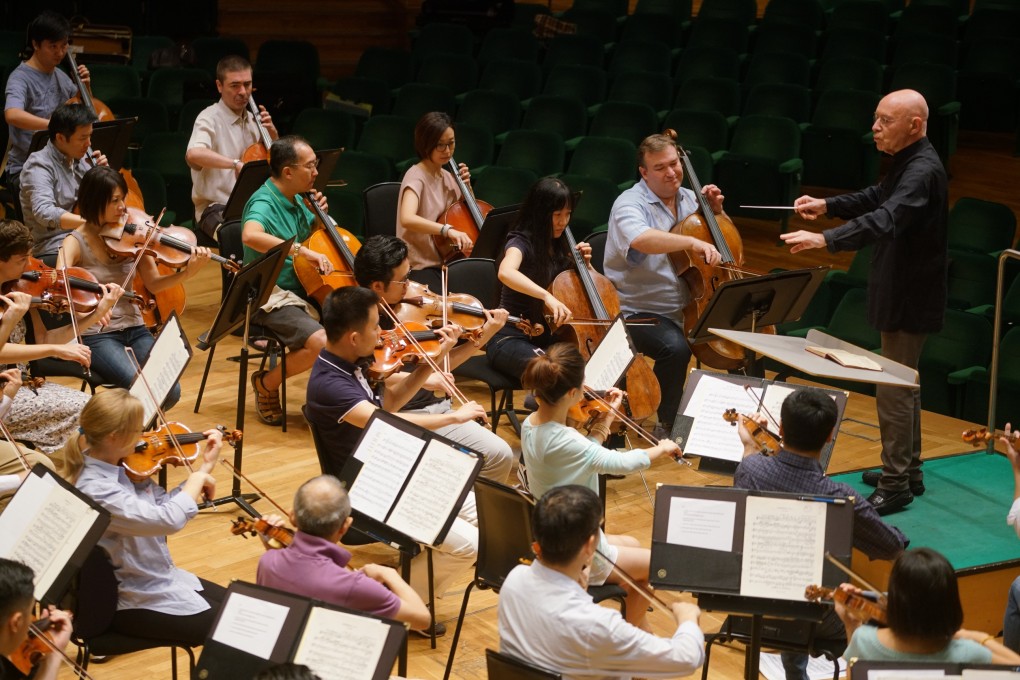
[267, 402]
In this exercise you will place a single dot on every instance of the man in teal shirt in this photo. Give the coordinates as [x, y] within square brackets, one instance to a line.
[277, 211]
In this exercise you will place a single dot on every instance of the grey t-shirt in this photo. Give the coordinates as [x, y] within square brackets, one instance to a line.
[37, 93]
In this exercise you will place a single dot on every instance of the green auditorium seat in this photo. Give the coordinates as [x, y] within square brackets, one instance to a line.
[392, 66]
[325, 128]
[591, 213]
[539, 151]
[841, 128]
[779, 99]
[624, 120]
[494, 110]
[981, 226]
[606, 157]
[502, 186]
[416, 99]
[706, 129]
[965, 342]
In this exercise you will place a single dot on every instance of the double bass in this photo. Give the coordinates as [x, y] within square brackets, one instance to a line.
[590, 294]
[702, 278]
[466, 215]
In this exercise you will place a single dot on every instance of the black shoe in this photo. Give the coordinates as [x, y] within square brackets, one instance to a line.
[886, 501]
[871, 478]
[427, 634]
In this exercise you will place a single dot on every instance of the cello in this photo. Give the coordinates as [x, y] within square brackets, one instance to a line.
[590, 294]
[466, 215]
[259, 151]
[702, 278]
[337, 244]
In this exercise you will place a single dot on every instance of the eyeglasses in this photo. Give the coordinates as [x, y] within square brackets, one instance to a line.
[310, 165]
[404, 281]
[884, 120]
[446, 146]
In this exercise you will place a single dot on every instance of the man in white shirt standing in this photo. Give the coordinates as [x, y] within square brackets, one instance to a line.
[221, 134]
[547, 618]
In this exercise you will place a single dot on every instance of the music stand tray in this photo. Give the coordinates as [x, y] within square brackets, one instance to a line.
[493, 231]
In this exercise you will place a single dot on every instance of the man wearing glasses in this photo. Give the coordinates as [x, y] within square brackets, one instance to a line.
[277, 211]
[905, 217]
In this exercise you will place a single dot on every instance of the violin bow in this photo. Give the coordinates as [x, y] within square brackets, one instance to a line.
[445, 278]
[854, 575]
[240, 475]
[759, 403]
[447, 383]
[70, 305]
[17, 447]
[141, 252]
[652, 598]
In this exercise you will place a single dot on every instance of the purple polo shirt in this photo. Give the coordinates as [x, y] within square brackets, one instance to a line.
[313, 567]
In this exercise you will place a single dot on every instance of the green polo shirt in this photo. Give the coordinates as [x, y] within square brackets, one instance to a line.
[283, 219]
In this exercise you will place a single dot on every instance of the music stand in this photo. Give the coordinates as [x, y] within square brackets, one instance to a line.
[253, 175]
[492, 234]
[755, 302]
[109, 136]
[328, 159]
[249, 289]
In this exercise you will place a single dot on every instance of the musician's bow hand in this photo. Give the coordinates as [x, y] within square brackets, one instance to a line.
[715, 197]
[11, 379]
[471, 410]
[560, 313]
[686, 611]
[803, 240]
[461, 240]
[810, 208]
[707, 251]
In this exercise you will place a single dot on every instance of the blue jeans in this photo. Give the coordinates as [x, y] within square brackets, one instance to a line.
[111, 362]
[666, 345]
[1011, 621]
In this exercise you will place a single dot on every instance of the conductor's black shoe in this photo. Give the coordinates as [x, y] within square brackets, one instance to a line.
[885, 501]
[871, 478]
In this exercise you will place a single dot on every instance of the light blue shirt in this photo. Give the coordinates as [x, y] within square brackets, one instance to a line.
[49, 188]
[645, 283]
[865, 645]
[142, 516]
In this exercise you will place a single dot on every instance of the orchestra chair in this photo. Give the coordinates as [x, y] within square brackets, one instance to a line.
[504, 541]
[780, 635]
[229, 237]
[355, 537]
[597, 241]
[95, 603]
[505, 667]
[381, 209]
[476, 276]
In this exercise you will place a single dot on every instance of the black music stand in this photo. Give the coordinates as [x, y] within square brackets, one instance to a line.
[492, 234]
[755, 302]
[249, 289]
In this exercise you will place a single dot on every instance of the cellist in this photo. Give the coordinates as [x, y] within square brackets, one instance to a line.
[636, 262]
[36, 87]
[221, 134]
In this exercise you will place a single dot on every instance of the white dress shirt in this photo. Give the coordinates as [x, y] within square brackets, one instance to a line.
[547, 619]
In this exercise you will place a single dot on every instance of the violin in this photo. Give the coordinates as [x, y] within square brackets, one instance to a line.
[172, 246]
[395, 351]
[981, 436]
[591, 295]
[279, 537]
[466, 215]
[47, 284]
[768, 442]
[31, 651]
[423, 306]
[156, 449]
[337, 244]
[853, 601]
[702, 278]
[591, 406]
[259, 151]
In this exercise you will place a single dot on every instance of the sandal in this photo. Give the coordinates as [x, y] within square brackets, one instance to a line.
[267, 402]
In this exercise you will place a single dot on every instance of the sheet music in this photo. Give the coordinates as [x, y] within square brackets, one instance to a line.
[701, 523]
[432, 494]
[772, 403]
[784, 547]
[388, 454]
[250, 624]
[341, 646]
[42, 527]
[166, 362]
[610, 359]
[711, 435]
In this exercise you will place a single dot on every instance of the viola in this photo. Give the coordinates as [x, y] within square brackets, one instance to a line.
[423, 306]
[466, 215]
[395, 351]
[588, 409]
[337, 244]
[768, 442]
[981, 436]
[591, 295]
[279, 537]
[702, 278]
[259, 151]
[48, 285]
[156, 449]
[853, 601]
[31, 651]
